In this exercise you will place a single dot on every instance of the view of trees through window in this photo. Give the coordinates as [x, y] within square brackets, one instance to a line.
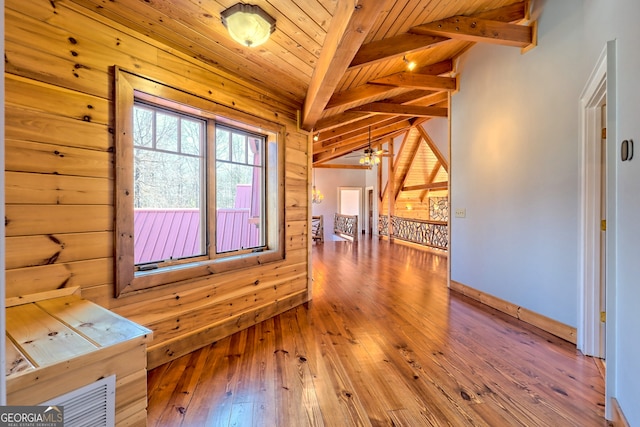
[168, 159]
[238, 162]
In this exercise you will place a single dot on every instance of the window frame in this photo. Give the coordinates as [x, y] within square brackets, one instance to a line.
[263, 190]
[206, 229]
[129, 88]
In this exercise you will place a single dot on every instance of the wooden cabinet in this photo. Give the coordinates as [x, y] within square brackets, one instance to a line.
[57, 345]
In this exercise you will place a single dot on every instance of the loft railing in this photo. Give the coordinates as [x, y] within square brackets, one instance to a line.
[423, 232]
[346, 226]
[317, 228]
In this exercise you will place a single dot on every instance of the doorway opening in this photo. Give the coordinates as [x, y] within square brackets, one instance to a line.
[350, 203]
[369, 211]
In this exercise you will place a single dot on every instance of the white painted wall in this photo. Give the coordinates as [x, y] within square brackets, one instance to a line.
[618, 20]
[328, 181]
[438, 130]
[515, 168]
[515, 146]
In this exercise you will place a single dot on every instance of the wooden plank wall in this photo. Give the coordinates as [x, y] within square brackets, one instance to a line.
[410, 205]
[415, 164]
[59, 176]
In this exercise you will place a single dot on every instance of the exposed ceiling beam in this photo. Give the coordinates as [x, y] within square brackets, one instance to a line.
[368, 91]
[478, 30]
[418, 81]
[338, 166]
[333, 135]
[416, 96]
[337, 120]
[433, 147]
[342, 149]
[337, 152]
[381, 50]
[359, 93]
[429, 179]
[420, 120]
[348, 29]
[378, 130]
[357, 130]
[432, 186]
[378, 143]
[392, 47]
[403, 146]
[403, 110]
[424, 98]
[405, 173]
[437, 68]
[334, 123]
[512, 13]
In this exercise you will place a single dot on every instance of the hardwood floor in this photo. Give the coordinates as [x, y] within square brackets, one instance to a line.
[383, 343]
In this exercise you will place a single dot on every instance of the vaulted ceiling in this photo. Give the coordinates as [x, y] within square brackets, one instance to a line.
[342, 63]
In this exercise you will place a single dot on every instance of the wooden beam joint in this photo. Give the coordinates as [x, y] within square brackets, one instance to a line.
[478, 30]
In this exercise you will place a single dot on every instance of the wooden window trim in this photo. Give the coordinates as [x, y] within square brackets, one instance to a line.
[129, 87]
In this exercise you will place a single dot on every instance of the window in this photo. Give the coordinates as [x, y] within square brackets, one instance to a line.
[168, 186]
[199, 187]
[239, 190]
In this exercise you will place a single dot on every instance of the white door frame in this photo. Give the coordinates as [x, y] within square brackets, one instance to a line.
[602, 78]
[593, 97]
[612, 203]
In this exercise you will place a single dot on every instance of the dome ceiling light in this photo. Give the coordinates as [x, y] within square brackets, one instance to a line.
[248, 24]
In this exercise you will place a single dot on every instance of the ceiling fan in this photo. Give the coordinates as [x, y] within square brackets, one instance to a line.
[369, 157]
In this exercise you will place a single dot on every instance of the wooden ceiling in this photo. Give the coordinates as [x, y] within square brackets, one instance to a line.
[340, 62]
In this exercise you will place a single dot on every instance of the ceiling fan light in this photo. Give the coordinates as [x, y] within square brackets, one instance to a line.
[248, 24]
[369, 157]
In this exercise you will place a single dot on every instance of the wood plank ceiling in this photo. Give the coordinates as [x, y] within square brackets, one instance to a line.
[341, 63]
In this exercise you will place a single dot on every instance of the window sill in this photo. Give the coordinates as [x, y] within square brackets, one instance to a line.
[170, 275]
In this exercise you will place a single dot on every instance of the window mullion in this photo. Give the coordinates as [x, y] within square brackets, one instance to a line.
[154, 131]
[210, 179]
[246, 149]
[179, 129]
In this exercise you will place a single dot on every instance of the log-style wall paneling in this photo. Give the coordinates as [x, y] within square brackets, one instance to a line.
[50, 189]
[59, 170]
[58, 34]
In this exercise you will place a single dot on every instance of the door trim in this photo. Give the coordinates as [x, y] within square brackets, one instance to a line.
[593, 96]
[603, 73]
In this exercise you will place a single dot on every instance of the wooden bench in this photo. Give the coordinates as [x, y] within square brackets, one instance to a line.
[58, 343]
